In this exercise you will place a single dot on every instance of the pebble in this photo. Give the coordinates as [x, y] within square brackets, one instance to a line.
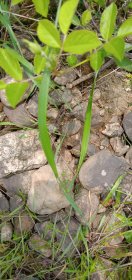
[128, 156]
[71, 127]
[39, 245]
[113, 130]
[66, 78]
[88, 204]
[59, 97]
[17, 183]
[16, 202]
[4, 204]
[97, 95]
[32, 105]
[67, 236]
[23, 223]
[6, 232]
[118, 146]
[45, 229]
[19, 116]
[127, 125]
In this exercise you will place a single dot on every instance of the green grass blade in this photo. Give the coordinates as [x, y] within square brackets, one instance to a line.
[5, 20]
[113, 190]
[42, 112]
[87, 127]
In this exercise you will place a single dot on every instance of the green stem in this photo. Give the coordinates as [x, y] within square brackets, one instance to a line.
[87, 127]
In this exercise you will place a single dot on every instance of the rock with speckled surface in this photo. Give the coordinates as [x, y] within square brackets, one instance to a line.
[101, 170]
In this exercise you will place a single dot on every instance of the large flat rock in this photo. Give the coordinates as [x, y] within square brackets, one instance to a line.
[101, 170]
[20, 151]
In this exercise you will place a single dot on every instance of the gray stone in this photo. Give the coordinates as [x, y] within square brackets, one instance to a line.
[59, 97]
[127, 124]
[45, 229]
[23, 223]
[45, 195]
[88, 204]
[39, 245]
[101, 170]
[92, 149]
[76, 97]
[79, 112]
[32, 106]
[119, 148]
[6, 232]
[97, 95]
[20, 182]
[52, 113]
[114, 228]
[20, 151]
[19, 116]
[113, 130]
[127, 187]
[2, 116]
[3, 97]
[71, 127]
[16, 202]
[4, 204]
[68, 77]
[67, 236]
[128, 156]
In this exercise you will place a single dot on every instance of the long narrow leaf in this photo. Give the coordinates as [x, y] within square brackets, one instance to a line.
[43, 129]
[5, 20]
[113, 190]
[87, 127]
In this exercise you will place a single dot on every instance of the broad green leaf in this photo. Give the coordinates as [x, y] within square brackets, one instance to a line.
[115, 47]
[107, 22]
[66, 14]
[15, 91]
[81, 41]
[10, 64]
[2, 84]
[14, 2]
[21, 59]
[48, 33]
[125, 64]
[86, 17]
[39, 63]
[87, 127]
[96, 60]
[76, 20]
[42, 113]
[41, 7]
[126, 28]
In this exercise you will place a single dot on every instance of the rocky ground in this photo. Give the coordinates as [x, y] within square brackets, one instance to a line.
[32, 204]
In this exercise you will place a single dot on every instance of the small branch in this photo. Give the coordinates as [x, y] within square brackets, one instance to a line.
[90, 75]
